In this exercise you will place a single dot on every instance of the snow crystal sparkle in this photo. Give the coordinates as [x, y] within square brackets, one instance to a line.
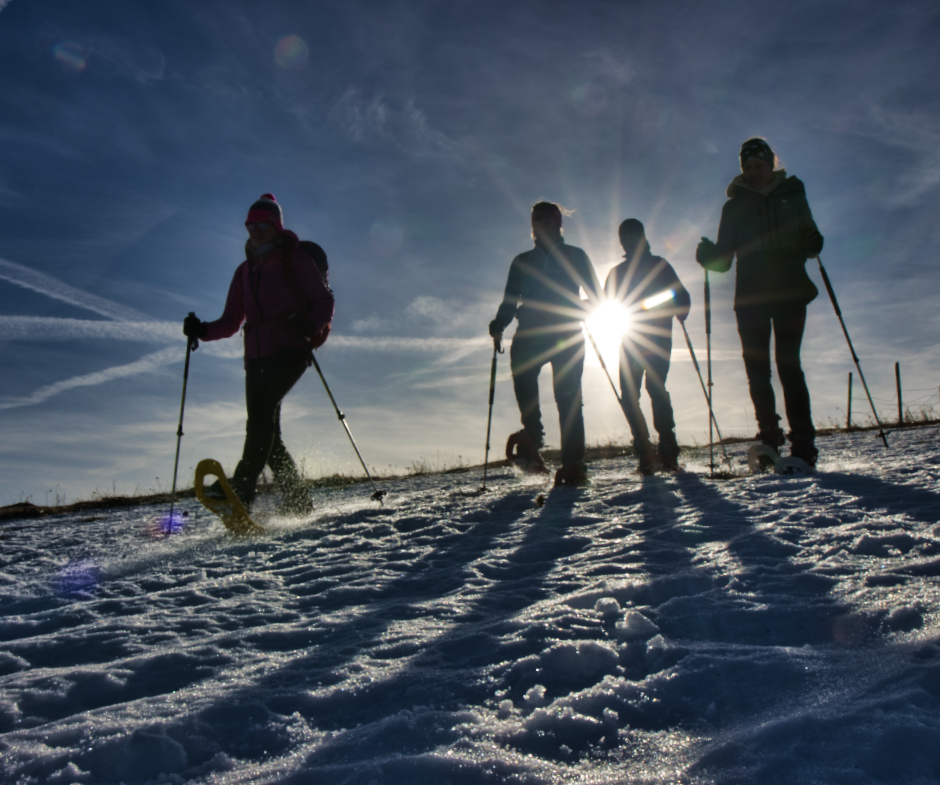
[78, 579]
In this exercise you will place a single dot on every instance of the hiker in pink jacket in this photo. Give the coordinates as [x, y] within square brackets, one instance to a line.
[280, 295]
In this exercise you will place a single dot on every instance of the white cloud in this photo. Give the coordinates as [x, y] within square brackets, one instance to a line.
[432, 314]
[417, 345]
[372, 121]
[56, 289]
[605, 64]
[914, 131]
[146, 364]
[35, 329]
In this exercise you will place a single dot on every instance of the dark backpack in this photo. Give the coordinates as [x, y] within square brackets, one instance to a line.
[318, 255]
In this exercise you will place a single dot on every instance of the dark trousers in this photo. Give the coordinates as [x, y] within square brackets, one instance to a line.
[787, 322]
[565, 351]
[267, 381]
[654, 362]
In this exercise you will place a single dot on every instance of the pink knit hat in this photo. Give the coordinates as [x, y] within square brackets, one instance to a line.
[266, 210]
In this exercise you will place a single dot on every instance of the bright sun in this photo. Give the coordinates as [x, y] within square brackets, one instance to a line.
[608, 324]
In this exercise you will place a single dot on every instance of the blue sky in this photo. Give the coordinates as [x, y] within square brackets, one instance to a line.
[410, 139]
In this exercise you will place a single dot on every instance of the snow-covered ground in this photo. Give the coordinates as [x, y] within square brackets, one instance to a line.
[671, 629]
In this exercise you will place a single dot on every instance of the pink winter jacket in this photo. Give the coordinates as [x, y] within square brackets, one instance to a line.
[261, 297]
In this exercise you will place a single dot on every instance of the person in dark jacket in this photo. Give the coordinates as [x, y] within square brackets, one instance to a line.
[768, 226]
[543, 293]
[651, 292]
[280, 296]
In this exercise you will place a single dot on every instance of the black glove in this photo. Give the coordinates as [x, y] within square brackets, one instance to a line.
[193, 328]
[811, 240]
[706, 252]
[496, 329]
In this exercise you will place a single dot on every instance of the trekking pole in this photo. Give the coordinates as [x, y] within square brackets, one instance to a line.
[191, 345]
[603, 364]
[342, 418]
[497, 349]
[708, 354]
[835, 305]
[711, 412]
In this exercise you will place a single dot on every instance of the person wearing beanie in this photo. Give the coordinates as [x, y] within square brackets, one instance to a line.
[543, 293]
[286, 307]
[651, 292]
[768, 226]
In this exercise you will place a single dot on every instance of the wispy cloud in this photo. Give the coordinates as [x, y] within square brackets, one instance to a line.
[914, 131]
[43, 329]
[56, 289]
[432, 314]
[372, 121]
[418, 345]
[146, 364]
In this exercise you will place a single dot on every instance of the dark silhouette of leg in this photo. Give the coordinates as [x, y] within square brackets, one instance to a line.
[631, 378]
[789, 324]
[525, 363]
[657, 369]
[567, 368]
[754, 327]
[267, 381]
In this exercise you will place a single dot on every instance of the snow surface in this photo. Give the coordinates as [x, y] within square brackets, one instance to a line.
[673, 629]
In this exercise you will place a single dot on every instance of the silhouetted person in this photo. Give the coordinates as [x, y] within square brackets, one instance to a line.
[282, 299]
[543, 293]
[652, 294]
[768, 226]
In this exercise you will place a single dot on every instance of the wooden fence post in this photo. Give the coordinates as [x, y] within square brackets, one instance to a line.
[848, 408]
[897, 377]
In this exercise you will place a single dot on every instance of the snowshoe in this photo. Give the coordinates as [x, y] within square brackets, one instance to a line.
[762, 459]
[523, 453]
[794, 466]
[230, 509]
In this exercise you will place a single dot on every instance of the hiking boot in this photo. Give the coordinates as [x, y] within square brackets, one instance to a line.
[523, 451]
[772, 437]
[215, 492]
[668, 453]
[805, 449]
[574, 474]
[647, 464]
[669, 463]
[646, 457]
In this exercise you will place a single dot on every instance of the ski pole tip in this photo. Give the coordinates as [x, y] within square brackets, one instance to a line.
[378, 495]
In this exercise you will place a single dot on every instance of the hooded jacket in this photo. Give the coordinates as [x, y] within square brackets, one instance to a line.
[543, 287]
[261, 297]
[766, 230]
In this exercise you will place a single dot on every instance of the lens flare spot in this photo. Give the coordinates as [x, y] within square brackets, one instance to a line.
[658, 299]
[291, 52]
[386, 238]
[71, 55]
[167, 525]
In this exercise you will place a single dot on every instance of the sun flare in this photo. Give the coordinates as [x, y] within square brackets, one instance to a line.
[607, 325]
